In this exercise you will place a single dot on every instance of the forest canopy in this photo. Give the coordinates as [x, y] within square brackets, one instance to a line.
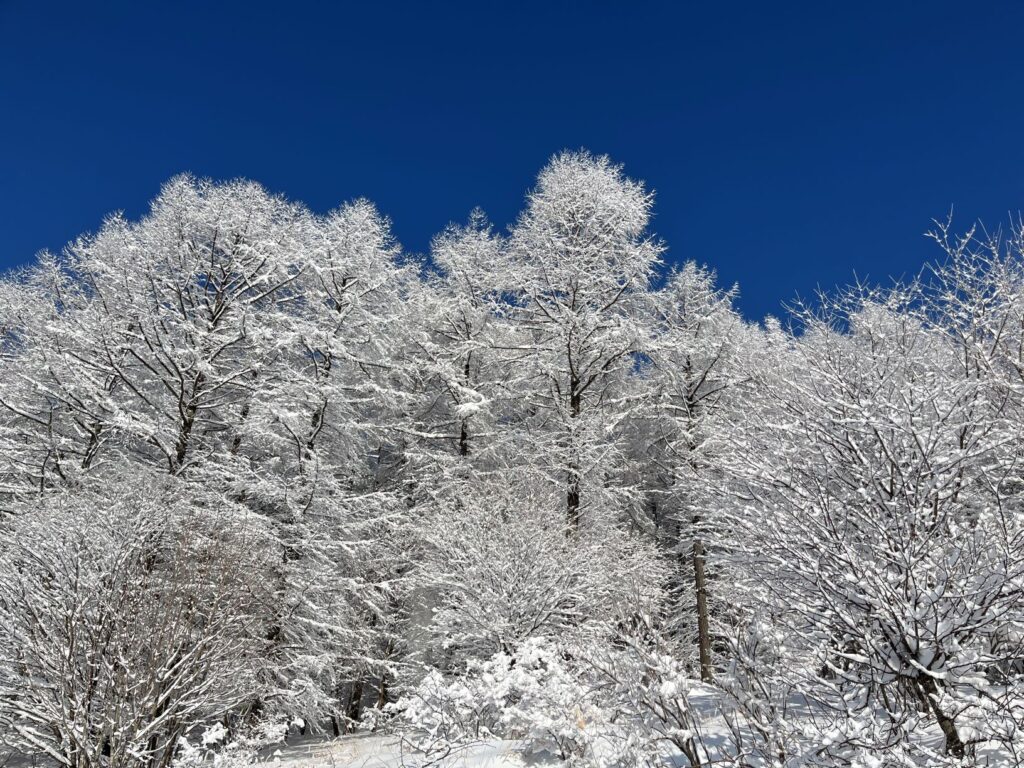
[260, 468]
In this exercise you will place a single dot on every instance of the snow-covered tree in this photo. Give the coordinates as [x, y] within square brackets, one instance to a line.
[260, 468]
[878, 514]
[697, 361]
[581, 260]
[128, 617]
[226, 340]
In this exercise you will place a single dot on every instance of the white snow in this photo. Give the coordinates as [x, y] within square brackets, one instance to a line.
[373, 751]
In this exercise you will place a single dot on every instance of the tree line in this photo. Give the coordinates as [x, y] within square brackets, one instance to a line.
[261, 468]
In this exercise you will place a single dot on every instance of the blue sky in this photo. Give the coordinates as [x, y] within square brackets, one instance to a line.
[791, 145]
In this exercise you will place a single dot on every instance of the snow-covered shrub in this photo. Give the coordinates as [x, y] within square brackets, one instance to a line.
[760, 690]
[879, 521]
[500, 569]
[614, 706]
[216, 746]
[530, 695]
[643, 682]
[125, 622]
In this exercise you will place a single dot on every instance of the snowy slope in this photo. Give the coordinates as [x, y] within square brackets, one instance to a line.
[389, 752]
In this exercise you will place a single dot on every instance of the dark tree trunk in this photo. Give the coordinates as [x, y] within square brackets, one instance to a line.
[572, 496]
[703, 622]
[188, 411]
[354, 711]
[954, 745]
[464, 433]
[573, 502]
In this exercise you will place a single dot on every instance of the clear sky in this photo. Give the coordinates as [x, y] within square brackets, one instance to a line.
[790, 144]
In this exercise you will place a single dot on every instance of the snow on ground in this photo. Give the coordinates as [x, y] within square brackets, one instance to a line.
[389, 752]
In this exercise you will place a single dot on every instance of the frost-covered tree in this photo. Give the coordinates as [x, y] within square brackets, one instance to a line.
[526, 362]
[499, 570]
[878, 515]
[260, 468]
[464, 322]
[228, 340]
[127, 618]
[581, 260]
[696, 361]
